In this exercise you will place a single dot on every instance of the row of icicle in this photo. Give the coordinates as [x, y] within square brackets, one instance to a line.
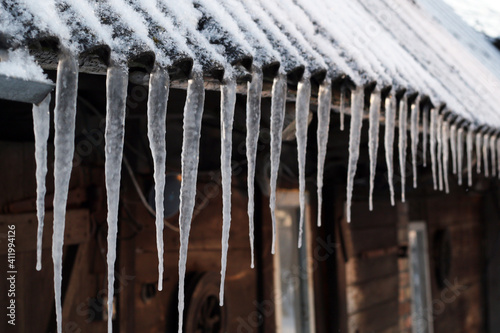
[442, 132]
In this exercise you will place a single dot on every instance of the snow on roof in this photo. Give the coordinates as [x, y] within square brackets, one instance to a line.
[420, 46]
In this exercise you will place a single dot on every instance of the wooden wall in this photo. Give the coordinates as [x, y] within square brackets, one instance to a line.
[459, 305]
[371, 270]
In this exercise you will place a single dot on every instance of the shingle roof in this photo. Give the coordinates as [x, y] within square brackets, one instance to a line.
[392, 43]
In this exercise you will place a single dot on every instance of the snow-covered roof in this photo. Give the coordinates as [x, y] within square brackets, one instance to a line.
[393, 43]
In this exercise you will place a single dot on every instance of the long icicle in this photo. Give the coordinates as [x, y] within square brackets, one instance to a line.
[228, 102]
[324, 105]
[403, 121]
[479, 142]
[64, 142]
[453, 146]
[493, 148]
[486, 144]
[414, 120]
[278, 104]
[254, 93]
[439, 135]
[446, 154]
[343, 90]
[301, 124]
[375, 100]
[433, 139]
[157, 115]
[460, 154]
[193, 112]
[116, 98]
[470, 139]
[390, 124]
[425, 132]
[41, 126]
[357, 105]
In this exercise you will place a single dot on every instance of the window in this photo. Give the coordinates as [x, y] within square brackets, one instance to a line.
[419, 278]
[293, 273]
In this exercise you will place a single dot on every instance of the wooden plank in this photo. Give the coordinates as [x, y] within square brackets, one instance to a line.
[77, 229]
[372, 239]
[372, 293]
[375, 319]
[383, 215]
[362, 270]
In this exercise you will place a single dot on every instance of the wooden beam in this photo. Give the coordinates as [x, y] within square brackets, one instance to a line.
[77, 229]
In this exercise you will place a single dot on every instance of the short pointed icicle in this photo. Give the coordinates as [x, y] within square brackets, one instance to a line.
[486, 145]
[193, 112]
[460, 154]
[157, 115]
[469, 143]
[278, 104]
[374, 117]
[116, 98]
[403, 121]
[453, 146]
[254, 93]
[343, 90]
[446, 154]
[493, 151]
[414, 120]
[301, 116]
[228, 101]
[425, 133]
[41, 126]
[433, 139]
[64, 143]
[357, 105]
[440, 151]
[479, 143]
[324, 105]
[390, 125]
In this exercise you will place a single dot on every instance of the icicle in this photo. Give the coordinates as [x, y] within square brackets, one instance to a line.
[357, 105]
[453, 146]
[390, 123]
[403, 114]
[227, 103]
[479, 141]
[116, 90]
[415, 111]
[301, 117]
[343, 90]
[446, 153]
[425, 130]
[373, 139]
[41, 126]
[253, 122]
[433, 138]
[486, 143]
[193, 111]
[439, 135]
[157, 113]
[493, 148]
[469, 156]
[64, 143]
[460, 154]
[324, 105]
[278, 104]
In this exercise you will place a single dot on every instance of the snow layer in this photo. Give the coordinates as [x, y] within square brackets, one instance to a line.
[20, 64]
